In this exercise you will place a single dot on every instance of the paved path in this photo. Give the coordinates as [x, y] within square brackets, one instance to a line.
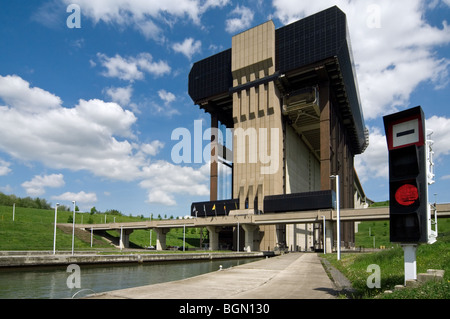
[290, 276]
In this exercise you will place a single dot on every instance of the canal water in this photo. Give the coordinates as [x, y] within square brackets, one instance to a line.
[50, 282]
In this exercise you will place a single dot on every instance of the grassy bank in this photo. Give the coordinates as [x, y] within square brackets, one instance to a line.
[437, 256]
[32, 229]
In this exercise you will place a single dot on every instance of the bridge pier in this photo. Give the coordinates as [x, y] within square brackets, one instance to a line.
[124, 241]
[249, 237]
[161, 237]
[213, 237]
[328, 240]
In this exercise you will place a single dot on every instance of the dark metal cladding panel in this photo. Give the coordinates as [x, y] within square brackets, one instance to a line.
[299, 202]
[211, 76]
[214, 208]
[310, 40]
[316, 38]
[351, 87]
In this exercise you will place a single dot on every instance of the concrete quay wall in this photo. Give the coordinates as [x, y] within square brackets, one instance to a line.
[48, 259]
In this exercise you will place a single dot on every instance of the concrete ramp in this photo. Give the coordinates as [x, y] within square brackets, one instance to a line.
[290, 276]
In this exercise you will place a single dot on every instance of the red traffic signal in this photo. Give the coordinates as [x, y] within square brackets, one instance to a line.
[407, 194]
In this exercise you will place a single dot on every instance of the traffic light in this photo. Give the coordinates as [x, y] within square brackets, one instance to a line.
[408, 185]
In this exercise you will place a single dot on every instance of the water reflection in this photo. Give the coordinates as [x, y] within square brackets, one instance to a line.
[50, 282]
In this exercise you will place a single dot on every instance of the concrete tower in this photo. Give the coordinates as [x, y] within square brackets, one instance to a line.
[291, 97]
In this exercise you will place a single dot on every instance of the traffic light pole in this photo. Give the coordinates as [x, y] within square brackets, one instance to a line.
[409, 253]
[338, 221]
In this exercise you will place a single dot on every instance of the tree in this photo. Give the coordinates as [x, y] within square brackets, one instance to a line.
[93, 210]
[63, 208]
[113, 212]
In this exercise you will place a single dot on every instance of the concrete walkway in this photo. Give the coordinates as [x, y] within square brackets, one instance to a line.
[290, 276]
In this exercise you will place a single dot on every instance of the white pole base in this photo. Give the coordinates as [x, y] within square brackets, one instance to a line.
[410, 261]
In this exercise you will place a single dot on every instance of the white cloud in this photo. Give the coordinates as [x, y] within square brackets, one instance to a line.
[81, 197]
[93, 136]
[37, 185]
[16, 91]
[4, 167]
[150, 30]
[110, 118]
[132, 68]
[167, 97]
[147, 16]
[153, 148]
[373, 163]
[120, 95]
[393, 45]
[441, 131]
[156, 196]
[243, 20]
[164, 180]
[167, 109]
[118, 67]
[85, 137]
[188, 47]
[144, 61]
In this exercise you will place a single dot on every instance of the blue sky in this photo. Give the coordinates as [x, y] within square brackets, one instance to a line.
[87, 113]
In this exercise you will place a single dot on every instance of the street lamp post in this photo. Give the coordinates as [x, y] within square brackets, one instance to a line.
[336, 178]
[324, 236]
[73, 227]
[54, 232]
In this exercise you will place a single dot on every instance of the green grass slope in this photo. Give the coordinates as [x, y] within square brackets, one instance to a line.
[32, 229]
[437, 256]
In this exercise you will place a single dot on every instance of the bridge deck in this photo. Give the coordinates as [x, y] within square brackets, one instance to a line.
[380, 213]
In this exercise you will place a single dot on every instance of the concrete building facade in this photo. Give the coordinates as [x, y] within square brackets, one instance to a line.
[291, 97]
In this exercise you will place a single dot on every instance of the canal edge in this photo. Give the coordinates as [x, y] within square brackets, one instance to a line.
[28, 259]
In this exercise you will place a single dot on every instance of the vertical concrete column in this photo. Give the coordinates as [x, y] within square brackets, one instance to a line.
[258, 123]
[325, 136]
[328, 240]
[249, 237]
[213, 237]
[161, 238]
[125, 238]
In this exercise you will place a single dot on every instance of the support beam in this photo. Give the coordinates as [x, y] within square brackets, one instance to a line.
[161, 238]
[213, 237]
[325, 134]
[328, 240]
[249, 237]
[125, 238]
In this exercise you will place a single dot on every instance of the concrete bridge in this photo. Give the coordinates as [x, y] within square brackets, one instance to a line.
[248, 221]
